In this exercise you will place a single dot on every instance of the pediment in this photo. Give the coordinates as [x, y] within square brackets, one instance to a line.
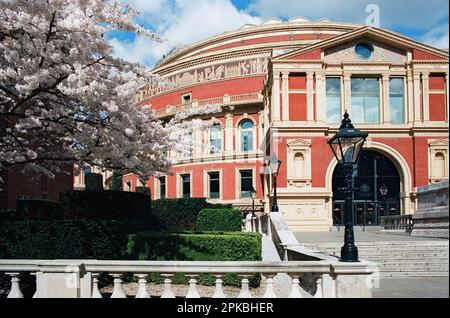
[388, 46]
[299, 143]
[438, 143]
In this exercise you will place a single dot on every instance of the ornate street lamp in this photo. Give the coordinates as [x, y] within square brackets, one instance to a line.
[274, 165]
[346, 146]
[384, 191]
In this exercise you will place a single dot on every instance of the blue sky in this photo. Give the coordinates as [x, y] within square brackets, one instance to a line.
[182, 22]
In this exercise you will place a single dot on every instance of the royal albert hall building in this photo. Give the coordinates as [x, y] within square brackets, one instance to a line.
[283, 87]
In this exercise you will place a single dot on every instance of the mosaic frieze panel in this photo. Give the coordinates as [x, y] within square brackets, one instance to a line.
[206, 74]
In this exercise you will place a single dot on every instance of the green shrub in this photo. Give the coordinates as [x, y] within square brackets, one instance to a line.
[219, 220]
[208, 246]
[180, 214]
[39, 210]
[7, 214]
[145, 190]
[116, 181]
[93, 181]
[108, 205]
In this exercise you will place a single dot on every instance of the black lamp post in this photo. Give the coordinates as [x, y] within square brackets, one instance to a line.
[274, 165]
[347, 145]
[384, 191]
[253, 195]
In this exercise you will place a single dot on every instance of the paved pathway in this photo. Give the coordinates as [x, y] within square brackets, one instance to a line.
[368, 236]
[414, 287]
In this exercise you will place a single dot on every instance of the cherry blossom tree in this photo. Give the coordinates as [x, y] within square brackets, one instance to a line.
[64, 97]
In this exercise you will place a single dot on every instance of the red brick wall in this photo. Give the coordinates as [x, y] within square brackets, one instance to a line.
[421, 55]
[312, 55]
[437, 101]
[210, 90]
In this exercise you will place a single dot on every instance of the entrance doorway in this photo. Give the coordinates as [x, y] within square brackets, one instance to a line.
[377, 193]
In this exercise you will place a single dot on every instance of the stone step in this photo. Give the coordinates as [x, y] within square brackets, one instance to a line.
[413, 274]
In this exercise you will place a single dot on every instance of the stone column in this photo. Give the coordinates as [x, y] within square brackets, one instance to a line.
[276, 97]
[309, 96]
[260, 129]
[320, 96]
[385, 116]
[285, 93]
[426, 96]
[410, 98]
[229, 134]
[417, 115]
[347, 93]
[446, 98]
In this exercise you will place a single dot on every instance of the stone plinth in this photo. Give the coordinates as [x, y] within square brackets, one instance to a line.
[432, 216]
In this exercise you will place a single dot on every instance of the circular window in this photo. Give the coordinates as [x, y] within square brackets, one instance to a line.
[364, 50]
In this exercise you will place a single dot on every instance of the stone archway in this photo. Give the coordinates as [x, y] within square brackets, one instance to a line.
[400, 163]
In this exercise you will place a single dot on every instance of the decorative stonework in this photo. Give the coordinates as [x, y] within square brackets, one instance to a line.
[381, 53]
[206, 74]
[299, 163]
[438, 160]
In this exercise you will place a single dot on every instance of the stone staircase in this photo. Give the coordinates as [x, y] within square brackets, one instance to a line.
[399, 258]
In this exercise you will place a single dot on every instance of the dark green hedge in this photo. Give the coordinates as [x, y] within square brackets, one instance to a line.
[145, 190]
[76, 239]
[116, 181]
[181, 214]
[219, 220]
[39, 210]
[108, 205]
[93, 182]
[7, 215]
[207, 246]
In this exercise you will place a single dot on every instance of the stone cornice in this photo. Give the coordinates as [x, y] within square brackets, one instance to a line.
[379, 34]
[331, 26]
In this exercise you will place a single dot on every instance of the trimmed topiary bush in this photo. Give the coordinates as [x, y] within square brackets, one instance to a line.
[145, 190]
[39, 210]
[93, 182]
[181, 214]
[209, 246]
[116, 181]
[108, 205]
[219, 220]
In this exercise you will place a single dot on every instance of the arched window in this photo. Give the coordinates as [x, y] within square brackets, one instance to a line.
[247, 136]
[439, 165]
[299, 165]
[215, 139]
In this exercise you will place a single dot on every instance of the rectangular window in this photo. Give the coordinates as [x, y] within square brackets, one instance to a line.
[396, 100]
[214, 185]
[186, 98]
[365, 100]
[333, 99]
[162, 187]
[186, 185]
[246, 183]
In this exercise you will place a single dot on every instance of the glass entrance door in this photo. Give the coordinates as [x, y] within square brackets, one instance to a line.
[374, 172]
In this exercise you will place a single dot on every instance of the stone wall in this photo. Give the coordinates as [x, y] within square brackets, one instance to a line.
[432, 216]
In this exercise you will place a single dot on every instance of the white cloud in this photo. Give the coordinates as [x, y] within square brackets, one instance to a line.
[180, 22]
[437, 37]
[413, 14]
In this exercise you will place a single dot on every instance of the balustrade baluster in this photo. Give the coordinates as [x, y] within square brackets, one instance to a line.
[167, 293]
[218, 292]
[15, 291]
[142, 290]
[270, 292]
[118, 292]
[319, 293]
[245, 291]
[192, 291]
[95, 291]
[295, 289]
[259, 226]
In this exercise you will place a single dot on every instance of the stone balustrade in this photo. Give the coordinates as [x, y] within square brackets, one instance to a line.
[227, 100]
[79, 278]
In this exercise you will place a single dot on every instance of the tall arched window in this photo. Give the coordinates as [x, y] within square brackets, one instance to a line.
[299, 165]
[215, 139]
[439, 165]
[247, 136]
